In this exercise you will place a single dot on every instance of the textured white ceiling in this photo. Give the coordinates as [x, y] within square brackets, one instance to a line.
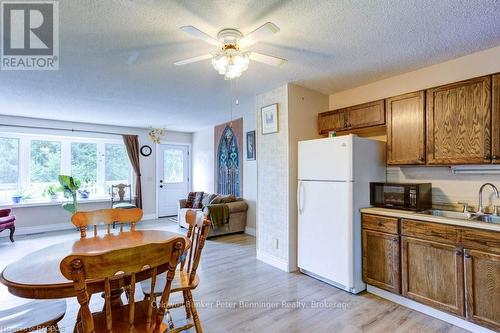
[116, 56]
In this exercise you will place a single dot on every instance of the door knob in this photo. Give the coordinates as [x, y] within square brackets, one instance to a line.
[161, 186]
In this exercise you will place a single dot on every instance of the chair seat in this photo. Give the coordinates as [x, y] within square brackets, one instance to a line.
[8, 219]
[31, 315]
[125, 205]
[180, 282]
[121, 321]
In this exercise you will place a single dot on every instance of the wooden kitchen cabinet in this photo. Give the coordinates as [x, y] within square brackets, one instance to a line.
[366, 115]
[432, 274]
[406, 129]
[458, 118]
[482, 288]
[332, 121]
[381, 260]
[354, 117]
[495, 136]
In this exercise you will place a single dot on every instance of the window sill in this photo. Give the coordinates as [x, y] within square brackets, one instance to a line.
[41, 203]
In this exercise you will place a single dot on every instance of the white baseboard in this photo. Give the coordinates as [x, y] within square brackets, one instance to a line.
[39, 229]
[53, 227]
[250, 231]
[273, 261]
[149, 217]
[427, 310]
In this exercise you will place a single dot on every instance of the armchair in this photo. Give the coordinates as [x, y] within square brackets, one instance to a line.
[7, 221]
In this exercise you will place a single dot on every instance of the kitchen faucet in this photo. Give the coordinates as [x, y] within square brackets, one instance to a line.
[480, 211]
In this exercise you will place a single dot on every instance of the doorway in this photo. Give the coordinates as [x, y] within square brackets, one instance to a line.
[172, 176]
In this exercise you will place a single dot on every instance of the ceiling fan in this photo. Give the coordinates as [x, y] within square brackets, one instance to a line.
[229, 59]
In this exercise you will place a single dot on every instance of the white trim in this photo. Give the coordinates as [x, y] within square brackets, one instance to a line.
[250, 231]
[36, 229]
[427, 310]
[148, 217]
[273, 261]
[51, 203]
[55, 227]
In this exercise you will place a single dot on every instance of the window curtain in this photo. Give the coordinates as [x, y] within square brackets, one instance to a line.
[132, 144]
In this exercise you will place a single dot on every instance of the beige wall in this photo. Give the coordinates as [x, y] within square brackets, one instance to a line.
[447, 188]
[476, 64]
[204, 163]
[29, 217]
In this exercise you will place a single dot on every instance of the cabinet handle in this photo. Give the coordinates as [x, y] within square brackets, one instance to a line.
[458, 252]
[494, 157]
[467, 256]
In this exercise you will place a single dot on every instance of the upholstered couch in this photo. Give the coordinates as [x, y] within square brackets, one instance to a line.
[237, 215]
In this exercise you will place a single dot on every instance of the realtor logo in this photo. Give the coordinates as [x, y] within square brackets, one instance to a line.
[30, 35]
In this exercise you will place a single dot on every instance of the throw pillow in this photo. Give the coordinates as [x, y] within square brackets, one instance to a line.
[194, 200]
[197, 200]
[207, 199]
[227, 198]
[216, 200]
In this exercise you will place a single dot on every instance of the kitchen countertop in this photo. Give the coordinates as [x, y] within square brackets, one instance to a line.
[430, 218]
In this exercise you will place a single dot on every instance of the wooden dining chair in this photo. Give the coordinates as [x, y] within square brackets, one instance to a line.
[33, 316]
[83, 220]
[186, 278]
[138, 317]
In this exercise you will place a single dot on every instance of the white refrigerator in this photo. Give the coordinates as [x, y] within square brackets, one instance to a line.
[333, 184]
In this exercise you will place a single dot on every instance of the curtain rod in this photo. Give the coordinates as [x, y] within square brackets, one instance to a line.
[64, 129]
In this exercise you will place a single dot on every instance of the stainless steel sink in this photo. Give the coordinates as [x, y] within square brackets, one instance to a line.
[446, 213]
[487, 218]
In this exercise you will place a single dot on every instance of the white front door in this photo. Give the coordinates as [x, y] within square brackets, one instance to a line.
[173, 177]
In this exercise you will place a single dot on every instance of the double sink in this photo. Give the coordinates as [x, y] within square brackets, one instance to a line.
[463, 216]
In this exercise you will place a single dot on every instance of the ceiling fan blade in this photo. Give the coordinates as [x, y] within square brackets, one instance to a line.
[267, 59]
[194, 59]
[259, 34]
[200, 35]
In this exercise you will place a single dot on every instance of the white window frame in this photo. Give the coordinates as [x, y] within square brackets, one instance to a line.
[24, 158]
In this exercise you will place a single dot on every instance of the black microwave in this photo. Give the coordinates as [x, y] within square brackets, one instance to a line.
[417, 196]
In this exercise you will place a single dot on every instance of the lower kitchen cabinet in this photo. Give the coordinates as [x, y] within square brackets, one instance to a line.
[381, 260]
[432, 274]
[482, 288]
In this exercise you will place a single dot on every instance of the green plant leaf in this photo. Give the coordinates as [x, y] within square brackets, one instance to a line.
[70, 207]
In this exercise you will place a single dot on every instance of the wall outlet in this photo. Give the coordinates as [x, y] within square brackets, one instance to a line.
[275, 243]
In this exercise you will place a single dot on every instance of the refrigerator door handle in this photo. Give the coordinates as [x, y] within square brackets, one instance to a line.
[299, 198]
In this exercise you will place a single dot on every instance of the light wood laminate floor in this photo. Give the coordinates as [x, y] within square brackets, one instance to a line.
[238, 293]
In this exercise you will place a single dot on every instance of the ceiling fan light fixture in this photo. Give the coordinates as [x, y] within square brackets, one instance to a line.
[231, 62]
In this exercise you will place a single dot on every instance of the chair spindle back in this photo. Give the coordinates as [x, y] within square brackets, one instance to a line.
[124, 264]
[197, 232]
[82, 220]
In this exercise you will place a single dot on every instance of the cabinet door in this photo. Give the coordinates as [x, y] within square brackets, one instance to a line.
[366, 115]
[406, 129]
[482, 287]
[432, 274]
[459, 122]
[331, 121]
[381, 260]
[496, 119]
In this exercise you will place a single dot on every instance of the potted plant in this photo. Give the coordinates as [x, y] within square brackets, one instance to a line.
[84, 191]
[70, 188]
[20, 195]
[52, 191]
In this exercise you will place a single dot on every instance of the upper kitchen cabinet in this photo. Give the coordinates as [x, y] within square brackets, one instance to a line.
[352, 118]
[332, 121]
[459, 122]
[406, 129]
[496, 119]
[365, 115]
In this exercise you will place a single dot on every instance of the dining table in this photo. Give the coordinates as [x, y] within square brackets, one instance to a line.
[37, 275]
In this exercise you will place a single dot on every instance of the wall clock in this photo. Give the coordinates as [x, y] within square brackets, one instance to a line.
[146, 150]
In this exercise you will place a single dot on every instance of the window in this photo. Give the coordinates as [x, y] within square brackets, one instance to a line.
[45, 161]
[9, 167]
[173, 161]
[31, 163]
